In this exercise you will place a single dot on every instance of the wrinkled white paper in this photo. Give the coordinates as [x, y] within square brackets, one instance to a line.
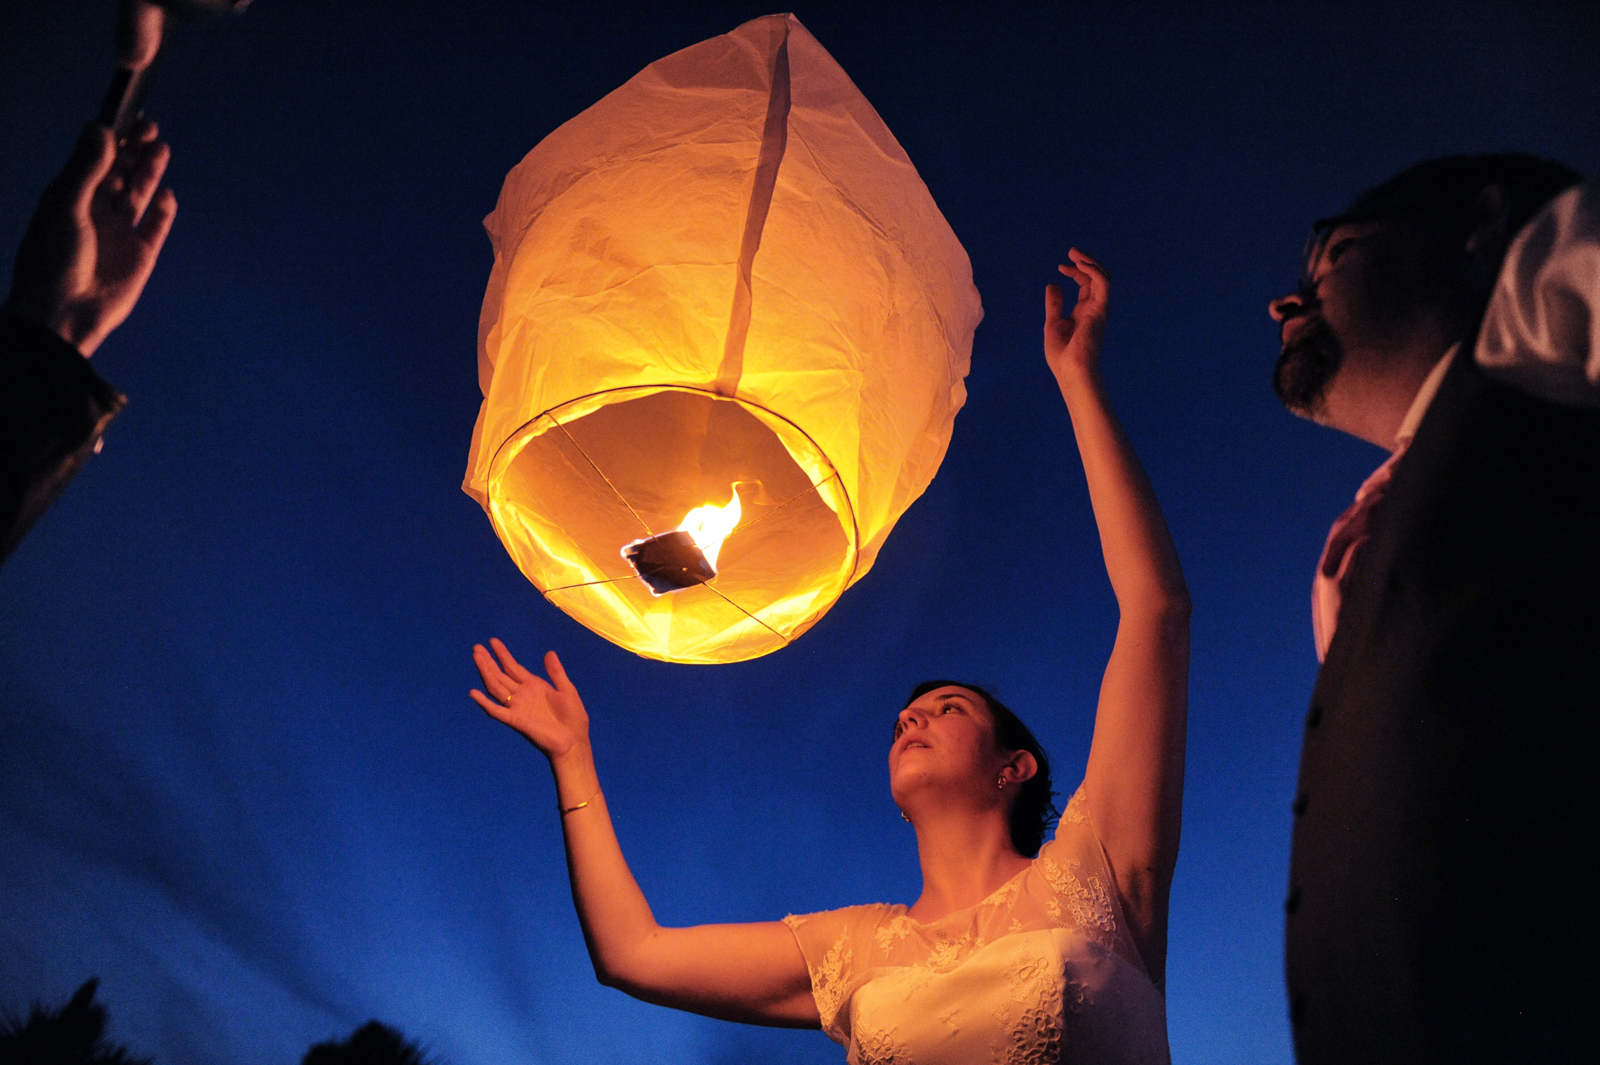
[735, 221]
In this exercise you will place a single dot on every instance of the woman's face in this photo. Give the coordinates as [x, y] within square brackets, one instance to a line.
[944, 739]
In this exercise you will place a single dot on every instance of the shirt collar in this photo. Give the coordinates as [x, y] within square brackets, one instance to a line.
[1424, 397]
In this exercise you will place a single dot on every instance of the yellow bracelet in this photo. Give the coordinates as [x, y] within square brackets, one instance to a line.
[565, 810]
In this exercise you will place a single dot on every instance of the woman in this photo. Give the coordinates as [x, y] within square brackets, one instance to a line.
[1004, 956]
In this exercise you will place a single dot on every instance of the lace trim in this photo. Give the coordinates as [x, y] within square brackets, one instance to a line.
[880, 1048]
[828, 983]
[1032, 1016]
[1007, 895]
[1090, 903]
[891, 932]
[1077, 811]
[947, 953]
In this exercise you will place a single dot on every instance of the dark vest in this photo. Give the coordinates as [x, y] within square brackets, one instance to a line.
[1442, 904]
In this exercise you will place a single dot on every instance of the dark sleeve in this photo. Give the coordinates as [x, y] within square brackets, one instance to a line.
[53, 408]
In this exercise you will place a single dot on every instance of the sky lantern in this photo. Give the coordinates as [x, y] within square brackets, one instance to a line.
[722, 349]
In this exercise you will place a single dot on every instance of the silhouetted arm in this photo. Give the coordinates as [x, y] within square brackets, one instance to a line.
[80, 269]
[53, 408]
[95, 237]
[741, 972]
[1134, 781]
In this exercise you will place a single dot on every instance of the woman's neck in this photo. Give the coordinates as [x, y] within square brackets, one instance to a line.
[966, 857]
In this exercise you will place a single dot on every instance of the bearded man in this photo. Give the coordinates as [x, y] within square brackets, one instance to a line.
[1441, 906]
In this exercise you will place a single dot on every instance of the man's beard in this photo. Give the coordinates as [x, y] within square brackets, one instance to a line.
[1304, 370]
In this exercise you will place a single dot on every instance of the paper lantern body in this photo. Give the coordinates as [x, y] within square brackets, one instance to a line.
[725, 271]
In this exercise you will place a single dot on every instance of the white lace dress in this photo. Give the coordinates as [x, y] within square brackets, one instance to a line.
[1042, 971]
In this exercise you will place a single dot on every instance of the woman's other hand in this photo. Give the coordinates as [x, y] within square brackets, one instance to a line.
[752, 973]
[1072, 341]
[549, 713]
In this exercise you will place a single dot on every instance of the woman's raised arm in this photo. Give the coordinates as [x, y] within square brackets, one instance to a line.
[740, 972]
[1134, 781]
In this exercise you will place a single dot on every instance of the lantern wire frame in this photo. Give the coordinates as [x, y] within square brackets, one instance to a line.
[612, 603]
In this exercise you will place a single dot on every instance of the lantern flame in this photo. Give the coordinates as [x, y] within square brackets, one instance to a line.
[709, 525]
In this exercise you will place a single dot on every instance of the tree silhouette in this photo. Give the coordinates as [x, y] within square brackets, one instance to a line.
[72, 1035]
[371, 1044]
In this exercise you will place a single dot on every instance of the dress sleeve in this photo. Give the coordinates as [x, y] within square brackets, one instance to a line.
[1075, 866]
[1541, 331]
[835, 944]
[1074, 831]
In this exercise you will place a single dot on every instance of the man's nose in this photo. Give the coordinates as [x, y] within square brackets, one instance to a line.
[1286, 307]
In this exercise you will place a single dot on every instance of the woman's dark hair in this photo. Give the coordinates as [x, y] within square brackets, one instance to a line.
[1034, 811]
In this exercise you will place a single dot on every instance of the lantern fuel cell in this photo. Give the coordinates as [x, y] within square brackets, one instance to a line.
[687, 556]
[670, 562]
[727, 270]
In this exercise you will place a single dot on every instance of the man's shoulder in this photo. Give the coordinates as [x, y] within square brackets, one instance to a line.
[1541, 329]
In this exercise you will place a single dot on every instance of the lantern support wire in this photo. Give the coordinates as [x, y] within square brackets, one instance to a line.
[798, 495]
[747, 614]
[647, 530]
[586, 584]
[546, 592]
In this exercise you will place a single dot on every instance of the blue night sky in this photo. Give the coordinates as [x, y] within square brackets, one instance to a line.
[240, 779]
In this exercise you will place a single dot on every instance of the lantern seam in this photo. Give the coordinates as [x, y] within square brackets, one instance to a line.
[769, 160]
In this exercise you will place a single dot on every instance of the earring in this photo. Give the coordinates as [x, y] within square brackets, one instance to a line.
[1002, 782]
[903, 816]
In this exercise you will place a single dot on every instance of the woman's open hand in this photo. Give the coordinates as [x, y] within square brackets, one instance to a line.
[1072, 341]
[549, 713]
